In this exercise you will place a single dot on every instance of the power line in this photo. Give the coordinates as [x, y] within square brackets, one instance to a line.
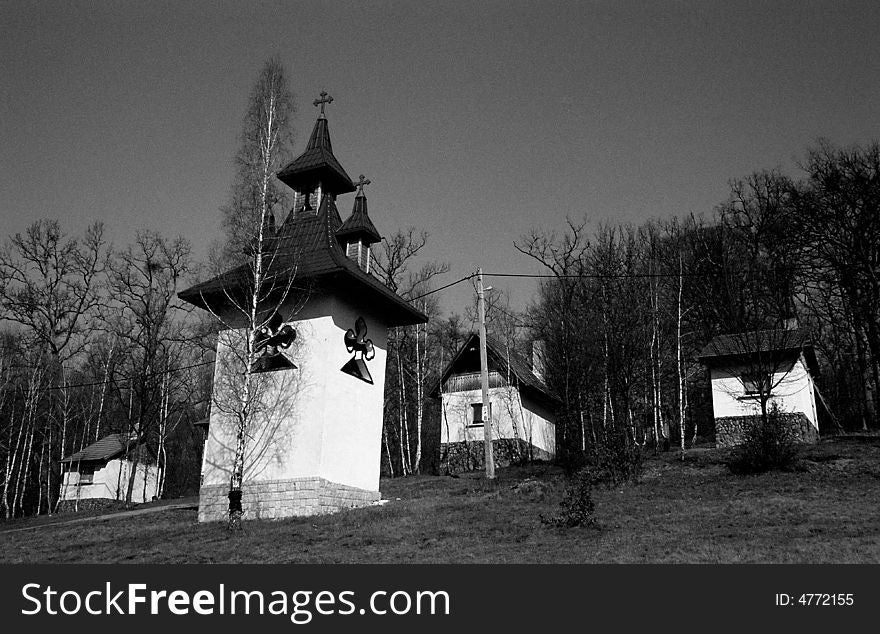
[617, 275]
[436, 290]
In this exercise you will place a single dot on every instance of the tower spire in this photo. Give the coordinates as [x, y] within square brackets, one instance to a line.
[317, 167]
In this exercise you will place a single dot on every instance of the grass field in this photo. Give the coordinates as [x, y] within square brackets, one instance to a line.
[825, 511]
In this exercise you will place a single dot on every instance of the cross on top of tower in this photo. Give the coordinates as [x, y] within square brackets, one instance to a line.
[360, 184]
[325, 99]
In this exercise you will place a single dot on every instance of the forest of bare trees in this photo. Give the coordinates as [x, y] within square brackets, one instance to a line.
[94, 342]
[627, 309]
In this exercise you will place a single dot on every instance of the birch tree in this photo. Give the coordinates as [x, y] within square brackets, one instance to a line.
[410, 372]
[253, 304]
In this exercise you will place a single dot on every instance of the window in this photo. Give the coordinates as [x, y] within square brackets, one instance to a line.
[477, 414]
[353, 250]
[753, 383]
[86, 474]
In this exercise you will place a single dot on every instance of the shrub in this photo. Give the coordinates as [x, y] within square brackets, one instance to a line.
[577, 504]
[617, 461]
[765, 447]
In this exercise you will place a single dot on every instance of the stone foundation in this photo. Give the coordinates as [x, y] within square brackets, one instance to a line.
[729, 430]
[89, 504]
[275, 499]
[457, 457]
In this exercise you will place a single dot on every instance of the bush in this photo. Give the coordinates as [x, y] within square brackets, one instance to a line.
[577, 504]
[765, 447]
[618, 461]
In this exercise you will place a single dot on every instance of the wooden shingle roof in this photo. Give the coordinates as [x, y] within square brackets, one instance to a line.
[359, 222]
[317, 163]
[758, 341]
[305, 249]
[501, 358]
[761, 346]
[106, 448]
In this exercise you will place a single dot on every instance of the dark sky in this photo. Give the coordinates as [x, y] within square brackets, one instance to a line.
[475, 121]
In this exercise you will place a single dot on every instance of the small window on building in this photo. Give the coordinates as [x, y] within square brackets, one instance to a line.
[754, 383]
[86, 474]
[477, 414]
[351, 250]
[364, 258]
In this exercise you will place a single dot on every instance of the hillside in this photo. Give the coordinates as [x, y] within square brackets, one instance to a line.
[691, 511]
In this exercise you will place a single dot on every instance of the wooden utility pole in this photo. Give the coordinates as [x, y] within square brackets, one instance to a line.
[484, 380]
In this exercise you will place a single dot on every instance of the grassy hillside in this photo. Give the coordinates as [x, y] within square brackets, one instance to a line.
[694, 511]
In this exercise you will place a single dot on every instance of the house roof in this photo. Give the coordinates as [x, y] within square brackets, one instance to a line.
[305, 250]
[106, 448]
[316, 164]
[359, 222]
[503, 358]
[759, 342]
[756, 341]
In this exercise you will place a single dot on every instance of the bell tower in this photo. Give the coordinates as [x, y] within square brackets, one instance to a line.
[316, 173]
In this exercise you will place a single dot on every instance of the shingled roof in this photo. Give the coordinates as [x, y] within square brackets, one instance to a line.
[317, 163]
[760, 343]
[107, 448]
[359, 222]
[744, 343]
[500, 358]
[305, 249]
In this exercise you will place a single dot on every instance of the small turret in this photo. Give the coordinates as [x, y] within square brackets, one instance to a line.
[358, 233]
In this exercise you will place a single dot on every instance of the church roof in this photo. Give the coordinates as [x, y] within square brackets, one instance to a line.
[317, 163]
[359, 222]
[304, 254]
[305, 250]
[500, 358]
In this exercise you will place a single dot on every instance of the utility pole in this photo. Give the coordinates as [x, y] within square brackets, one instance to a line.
[484, 380]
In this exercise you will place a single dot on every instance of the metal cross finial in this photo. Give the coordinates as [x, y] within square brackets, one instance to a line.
[360, 184]
[325, 99]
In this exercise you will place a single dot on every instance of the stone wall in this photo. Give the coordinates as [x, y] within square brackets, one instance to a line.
[457, 457]
[729, 430]
[89, 504]
[274, 499]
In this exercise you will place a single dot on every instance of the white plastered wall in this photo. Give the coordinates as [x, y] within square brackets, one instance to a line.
[792, 392]
[108, 483]
[315, 420]
[512, 417]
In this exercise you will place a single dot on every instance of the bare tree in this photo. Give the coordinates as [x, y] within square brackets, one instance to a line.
[142, 315]
[838, 225]
[408, 346]
[49, 283]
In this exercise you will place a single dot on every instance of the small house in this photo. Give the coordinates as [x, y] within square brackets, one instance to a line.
[521, 407]
[102, 470]
[776, 366]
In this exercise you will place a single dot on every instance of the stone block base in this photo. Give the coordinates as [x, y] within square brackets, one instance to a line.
[275, 499]
[730, 430]
[90, 504]
[456, 457]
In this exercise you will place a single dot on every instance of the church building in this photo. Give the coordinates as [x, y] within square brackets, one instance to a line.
[314, 437]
